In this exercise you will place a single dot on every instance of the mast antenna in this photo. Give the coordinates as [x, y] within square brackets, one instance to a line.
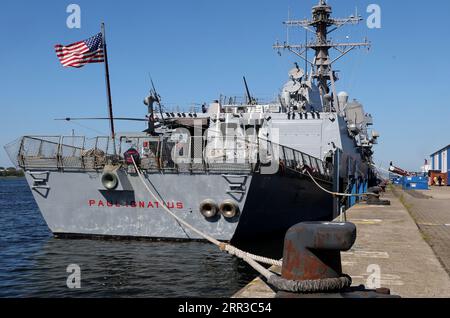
[306, 53]
[287, 28]
[157, 97]
[250, 99]
[321, 25]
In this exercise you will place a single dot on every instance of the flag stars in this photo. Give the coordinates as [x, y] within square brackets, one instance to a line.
[81, 53]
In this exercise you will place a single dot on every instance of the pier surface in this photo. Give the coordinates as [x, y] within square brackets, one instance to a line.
[407, 242]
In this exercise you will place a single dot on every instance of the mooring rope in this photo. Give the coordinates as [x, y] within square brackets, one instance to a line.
[337, 194]
[232, 250]
[306, 286]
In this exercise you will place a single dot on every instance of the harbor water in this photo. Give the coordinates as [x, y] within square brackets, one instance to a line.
[34, 264]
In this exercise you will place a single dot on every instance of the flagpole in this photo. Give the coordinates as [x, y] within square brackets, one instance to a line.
[108, 90]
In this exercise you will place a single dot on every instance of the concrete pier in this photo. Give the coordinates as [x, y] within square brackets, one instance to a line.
[431, 212]
[391, 243]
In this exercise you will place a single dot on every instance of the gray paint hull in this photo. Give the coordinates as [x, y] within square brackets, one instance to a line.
[76, 203]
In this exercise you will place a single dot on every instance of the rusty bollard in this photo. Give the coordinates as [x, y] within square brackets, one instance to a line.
[375, 199]
[312, 250]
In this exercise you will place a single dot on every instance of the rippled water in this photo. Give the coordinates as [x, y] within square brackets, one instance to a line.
[33, 263]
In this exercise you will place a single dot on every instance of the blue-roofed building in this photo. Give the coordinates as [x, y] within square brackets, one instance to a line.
[440, 161]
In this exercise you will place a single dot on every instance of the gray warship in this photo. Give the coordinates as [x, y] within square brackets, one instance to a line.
[236, 170]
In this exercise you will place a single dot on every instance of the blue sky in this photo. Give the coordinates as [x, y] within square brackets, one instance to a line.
[197, 50]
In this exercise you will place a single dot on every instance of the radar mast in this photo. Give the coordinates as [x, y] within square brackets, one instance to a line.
[321, 25]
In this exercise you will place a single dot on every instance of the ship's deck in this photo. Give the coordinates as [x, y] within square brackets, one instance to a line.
[159, 155]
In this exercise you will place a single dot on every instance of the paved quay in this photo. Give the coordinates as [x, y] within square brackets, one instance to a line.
[431, 211]
[390, 242]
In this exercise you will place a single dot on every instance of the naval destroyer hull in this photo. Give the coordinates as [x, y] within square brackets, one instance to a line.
[75, 204]
[310, 128]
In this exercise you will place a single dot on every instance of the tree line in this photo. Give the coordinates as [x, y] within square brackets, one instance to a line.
[11, 172]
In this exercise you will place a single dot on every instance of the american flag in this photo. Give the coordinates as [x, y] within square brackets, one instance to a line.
[81, 53]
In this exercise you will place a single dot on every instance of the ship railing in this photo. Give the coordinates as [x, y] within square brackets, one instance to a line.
[176, 154]
[231, 154]
[167, 155]
[185, 154]
[39, 152]
[295, 160]
[243, 100]
[64, 152]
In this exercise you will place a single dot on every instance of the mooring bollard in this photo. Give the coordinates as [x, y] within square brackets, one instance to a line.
[376, 201]
[312, 252]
